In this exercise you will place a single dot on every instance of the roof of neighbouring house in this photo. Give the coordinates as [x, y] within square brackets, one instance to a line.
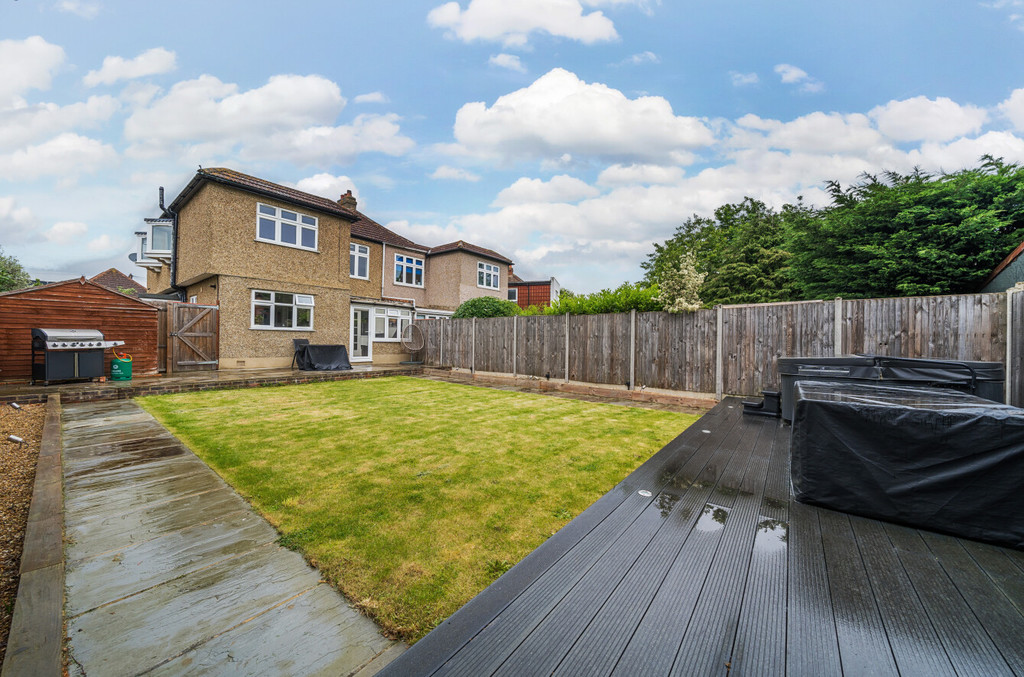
[261, 187]
[366, 228]
[116, 280]
[468, 247]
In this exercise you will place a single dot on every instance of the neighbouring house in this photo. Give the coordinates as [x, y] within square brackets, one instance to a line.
[75, 304]
[1009, 272]
[116, 280]
[528, 293]
[273, 259]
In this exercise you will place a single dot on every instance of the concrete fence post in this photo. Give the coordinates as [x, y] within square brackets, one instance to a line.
[472, 349]
[632, 349]
[440, 343]
[719, 357]
[1009, 347]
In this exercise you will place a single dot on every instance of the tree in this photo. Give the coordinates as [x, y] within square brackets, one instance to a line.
[486, 306]
[12, 275]
[903, 235]
[680, 288]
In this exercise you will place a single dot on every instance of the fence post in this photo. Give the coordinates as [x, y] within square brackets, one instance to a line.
[837, 318]
[440, 343]
[632, 349]
[515, 344]
[1009, 346]
[472, 349]
[719, 358]
[567, 347]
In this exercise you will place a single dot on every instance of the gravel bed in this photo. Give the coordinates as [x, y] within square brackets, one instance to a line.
[17, 474]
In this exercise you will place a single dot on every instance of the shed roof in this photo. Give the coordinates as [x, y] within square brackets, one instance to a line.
[81, 281]
[1003, 264]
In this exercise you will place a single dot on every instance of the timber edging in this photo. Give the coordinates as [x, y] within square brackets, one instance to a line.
[35, 643]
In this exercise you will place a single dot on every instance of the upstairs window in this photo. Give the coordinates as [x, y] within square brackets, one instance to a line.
[408, 271]
[487, 276]
[285, 227]
[279, 310]
[359, 261]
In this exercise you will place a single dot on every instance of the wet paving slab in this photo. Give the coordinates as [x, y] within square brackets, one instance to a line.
[170, 571]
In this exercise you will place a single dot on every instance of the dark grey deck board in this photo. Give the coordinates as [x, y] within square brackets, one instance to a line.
[1001, 619]
[704, 577]
[966, 642]
[914, 642]
[863, 645]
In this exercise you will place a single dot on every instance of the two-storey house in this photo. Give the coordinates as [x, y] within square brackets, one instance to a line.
[273, 259]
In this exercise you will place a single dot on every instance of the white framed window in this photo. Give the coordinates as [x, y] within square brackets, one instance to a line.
[513, 294]
[194, 298]
[286, 227]
[408, 271]
[281, 310]
[431, 316]
[358, 261]
[389, 323]
[487, 276]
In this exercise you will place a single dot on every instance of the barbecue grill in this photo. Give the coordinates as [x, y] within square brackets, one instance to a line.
[68, 354]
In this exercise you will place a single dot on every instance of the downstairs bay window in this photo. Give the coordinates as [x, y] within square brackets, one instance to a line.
[280, 310]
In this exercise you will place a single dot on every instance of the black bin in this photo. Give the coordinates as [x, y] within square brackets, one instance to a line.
[984, 379]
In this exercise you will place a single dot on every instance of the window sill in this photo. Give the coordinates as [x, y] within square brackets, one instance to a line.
[259, 328]
[289, 246]
[356, 277]
[406, 284]
[480, 286]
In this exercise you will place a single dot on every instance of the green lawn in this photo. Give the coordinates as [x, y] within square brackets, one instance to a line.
[410, 495]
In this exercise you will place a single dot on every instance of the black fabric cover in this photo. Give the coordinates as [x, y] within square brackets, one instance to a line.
[322, 358]
[931, 458]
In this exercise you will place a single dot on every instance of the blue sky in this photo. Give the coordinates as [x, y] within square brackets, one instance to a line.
[567, 134]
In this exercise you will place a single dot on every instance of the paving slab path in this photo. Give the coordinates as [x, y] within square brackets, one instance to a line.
[170, 572]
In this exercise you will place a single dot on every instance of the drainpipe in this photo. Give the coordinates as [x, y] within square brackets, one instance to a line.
[174, 250]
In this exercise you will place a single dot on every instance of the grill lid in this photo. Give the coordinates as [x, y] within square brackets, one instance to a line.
[67, 335]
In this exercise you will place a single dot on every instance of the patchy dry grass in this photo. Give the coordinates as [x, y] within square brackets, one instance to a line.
[411, 495]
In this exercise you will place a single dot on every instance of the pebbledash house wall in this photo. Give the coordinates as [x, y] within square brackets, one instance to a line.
[367, 289]
[221, 262]
[451, 279]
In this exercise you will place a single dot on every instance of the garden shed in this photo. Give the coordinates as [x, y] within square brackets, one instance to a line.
[75, 304]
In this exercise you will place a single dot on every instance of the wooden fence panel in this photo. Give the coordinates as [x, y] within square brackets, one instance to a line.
[494, 344]
[430, 355]
[541, 346]
[599, 348]
[966, 327]
[459, 345]
[754, 337]
[1015, 374]
[676, 352]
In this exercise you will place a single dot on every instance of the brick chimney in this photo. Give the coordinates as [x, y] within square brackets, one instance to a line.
[348, 200]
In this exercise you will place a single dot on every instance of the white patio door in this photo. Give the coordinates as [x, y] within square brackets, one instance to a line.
[362, 347]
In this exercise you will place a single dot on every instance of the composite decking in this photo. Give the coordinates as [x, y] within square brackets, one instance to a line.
[701, 563]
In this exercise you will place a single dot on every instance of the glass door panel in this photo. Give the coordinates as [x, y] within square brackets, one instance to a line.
[361, 347]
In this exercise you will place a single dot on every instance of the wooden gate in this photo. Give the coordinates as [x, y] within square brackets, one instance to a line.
[192, 337]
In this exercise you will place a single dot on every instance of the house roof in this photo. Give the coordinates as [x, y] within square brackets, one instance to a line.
[367, 229]
[116, 280]
[468, 247]
[252, 184]
[1002, 266]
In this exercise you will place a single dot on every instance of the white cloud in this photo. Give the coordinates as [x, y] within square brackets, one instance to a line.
[444, 172]
[17, 223]
[65, 232]
[64, 155]
[372, 97]
[327, 185]
[639, 59]
[743, 79]
[151, 62]
[512, 23]
[106, 243]
[290, 118]
[792, 75]
[924, 119]
[560, 114]
[624, 175]
[86, 10]
[509, 61]
[26, 64]
[29, 123]
[1014, 11]
[1013, 108]
[561, 188]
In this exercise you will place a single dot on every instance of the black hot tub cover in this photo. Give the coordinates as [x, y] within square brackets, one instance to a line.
[931, 458]
[322, 358]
